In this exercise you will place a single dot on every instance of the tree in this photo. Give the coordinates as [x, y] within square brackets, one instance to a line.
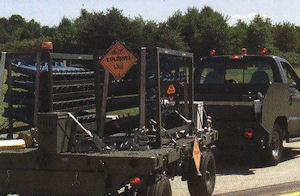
[150, 33]
[285, 37]
[202, 30]
[64, 39]
[170, 38]
[31, 30]
[298, 39]
[99, 30]
[259, 34]
[238, 35]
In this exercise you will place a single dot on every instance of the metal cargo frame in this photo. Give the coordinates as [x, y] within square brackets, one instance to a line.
[55, 171]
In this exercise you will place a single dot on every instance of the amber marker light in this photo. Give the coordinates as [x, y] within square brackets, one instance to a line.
[244, 51]
[47, 45]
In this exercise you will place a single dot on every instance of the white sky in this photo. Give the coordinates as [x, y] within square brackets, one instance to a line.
[50, 12]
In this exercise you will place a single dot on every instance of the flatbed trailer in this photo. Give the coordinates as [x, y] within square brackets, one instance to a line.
[26, 172]
[173, 139]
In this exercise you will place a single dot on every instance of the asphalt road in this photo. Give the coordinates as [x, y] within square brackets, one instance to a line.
[239, 172]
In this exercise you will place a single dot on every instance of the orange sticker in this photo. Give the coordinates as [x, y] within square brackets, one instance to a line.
[171, 89]
[118, 60]
[197, 154]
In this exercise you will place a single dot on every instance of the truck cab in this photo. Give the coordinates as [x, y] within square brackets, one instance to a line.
[254, 100]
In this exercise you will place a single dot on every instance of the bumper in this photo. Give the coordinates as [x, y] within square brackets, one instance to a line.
[232, 134]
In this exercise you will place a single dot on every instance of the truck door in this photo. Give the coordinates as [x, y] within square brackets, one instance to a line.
[294, 106]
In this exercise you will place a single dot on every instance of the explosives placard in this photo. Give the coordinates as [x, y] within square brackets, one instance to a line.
[118, 60]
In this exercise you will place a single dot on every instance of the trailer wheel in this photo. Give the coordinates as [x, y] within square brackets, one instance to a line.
[273, 153]
[203, 185]
[160, 188]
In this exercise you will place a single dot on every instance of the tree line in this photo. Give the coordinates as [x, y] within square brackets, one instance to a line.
[196, 30]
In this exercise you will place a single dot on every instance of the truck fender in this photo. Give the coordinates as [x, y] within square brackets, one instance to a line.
[274, 105]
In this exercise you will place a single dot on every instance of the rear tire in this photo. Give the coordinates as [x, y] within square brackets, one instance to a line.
[160, 188]
[273, 153]
[203, 185]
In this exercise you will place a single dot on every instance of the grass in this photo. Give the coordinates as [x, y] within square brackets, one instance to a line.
[128, 111]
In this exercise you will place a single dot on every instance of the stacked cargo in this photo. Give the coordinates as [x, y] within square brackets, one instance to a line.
[64, 83]
[60, 88]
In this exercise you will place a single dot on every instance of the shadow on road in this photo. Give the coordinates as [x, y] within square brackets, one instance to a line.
[290, 153]
[243, 162]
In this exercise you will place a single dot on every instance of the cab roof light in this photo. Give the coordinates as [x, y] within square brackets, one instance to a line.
[236, 57]
[263, 51]
[212, 53]
[244, 51]
[47, 45]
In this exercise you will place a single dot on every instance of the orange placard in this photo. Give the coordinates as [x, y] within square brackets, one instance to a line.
[118, 60]
[171, 89]
[197, 154]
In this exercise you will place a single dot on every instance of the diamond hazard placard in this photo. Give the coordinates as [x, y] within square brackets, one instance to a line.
[118, 60]
[196, 154]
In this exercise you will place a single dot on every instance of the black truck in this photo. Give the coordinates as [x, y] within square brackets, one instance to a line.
[254, 101]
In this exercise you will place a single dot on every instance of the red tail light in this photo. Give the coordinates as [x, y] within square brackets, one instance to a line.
[248, 133]
[117, 125]
[135, 181]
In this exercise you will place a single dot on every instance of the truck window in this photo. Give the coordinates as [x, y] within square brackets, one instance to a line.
[291, 76]
[233, 71]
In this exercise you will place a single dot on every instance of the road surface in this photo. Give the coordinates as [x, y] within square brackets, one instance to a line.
[238, 171]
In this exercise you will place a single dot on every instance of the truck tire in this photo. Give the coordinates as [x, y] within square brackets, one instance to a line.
[273, 153]
[160, 188]
[203, 185]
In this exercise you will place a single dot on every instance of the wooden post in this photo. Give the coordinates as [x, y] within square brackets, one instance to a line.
[191, 89]
[103, 103]
[37, 89]
[142, 89]
[10, 104]
[50, 83]
[158, 97]
[2, 67]
[101, 90]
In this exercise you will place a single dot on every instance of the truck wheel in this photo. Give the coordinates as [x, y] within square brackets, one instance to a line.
[274, 152]
[203, 185]
[161, 188]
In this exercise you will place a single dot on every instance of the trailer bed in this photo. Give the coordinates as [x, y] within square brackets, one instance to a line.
[82, 173]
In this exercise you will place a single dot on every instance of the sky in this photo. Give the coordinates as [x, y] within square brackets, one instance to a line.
[50, 12]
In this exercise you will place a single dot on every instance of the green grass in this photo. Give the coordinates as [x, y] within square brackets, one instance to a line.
[128, 111]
